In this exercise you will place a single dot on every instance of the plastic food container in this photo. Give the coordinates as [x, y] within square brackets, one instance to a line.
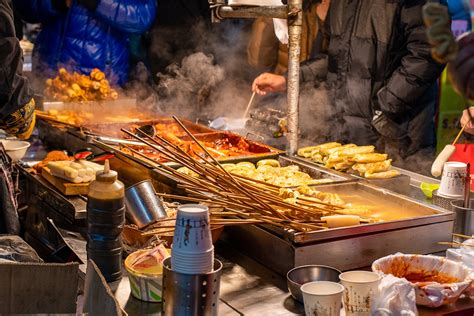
[145, 284]
[16, 149]
[437, 281]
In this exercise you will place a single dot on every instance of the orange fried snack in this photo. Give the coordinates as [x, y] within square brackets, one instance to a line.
[55, 155]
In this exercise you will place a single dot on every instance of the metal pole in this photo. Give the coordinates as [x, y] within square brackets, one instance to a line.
[279, 12]
[295, 19]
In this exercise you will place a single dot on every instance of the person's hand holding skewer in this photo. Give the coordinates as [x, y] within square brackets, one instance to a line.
[268, 82]
[467, 121]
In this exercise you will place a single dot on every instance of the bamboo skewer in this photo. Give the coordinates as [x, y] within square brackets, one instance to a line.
[252, 201]
[223, 169]
[249, 105]
[459, 134]
[463, 236]
[454, 244]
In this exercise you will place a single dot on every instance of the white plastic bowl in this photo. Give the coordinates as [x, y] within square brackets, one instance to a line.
[16, 149]
[431, 294]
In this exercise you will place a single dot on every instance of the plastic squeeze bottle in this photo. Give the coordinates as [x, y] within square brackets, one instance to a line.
[105, 221]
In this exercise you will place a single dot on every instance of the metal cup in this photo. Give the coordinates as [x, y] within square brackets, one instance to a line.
[464, 220]
[143, 207]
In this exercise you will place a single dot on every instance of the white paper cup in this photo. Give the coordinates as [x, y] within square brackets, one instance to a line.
[452, 180]
[195, 263]
[192, 232]
[322, 298]
[360, 287]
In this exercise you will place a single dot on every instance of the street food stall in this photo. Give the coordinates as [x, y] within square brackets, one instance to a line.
[287, 211]
[236, 214]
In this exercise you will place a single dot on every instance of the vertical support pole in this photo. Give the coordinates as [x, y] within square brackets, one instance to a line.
[295, 20]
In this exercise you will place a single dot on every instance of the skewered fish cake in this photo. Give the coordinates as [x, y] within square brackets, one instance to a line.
[229, 167]
[268, 162]
[246, 164]
[187, 171]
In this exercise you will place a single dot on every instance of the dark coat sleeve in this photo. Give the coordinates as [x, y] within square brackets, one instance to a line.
[417, 71]
[14, 88]
[39, 11]
[131, 16]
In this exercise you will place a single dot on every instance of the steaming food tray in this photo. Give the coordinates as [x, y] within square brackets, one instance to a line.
[409, 226]
[399, 184]
[256, 150]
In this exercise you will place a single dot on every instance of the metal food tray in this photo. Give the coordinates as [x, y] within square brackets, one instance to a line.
[399, 184]
[316, 172]
[119, 105]
[260, 151]
[114, 129]
[349, 247]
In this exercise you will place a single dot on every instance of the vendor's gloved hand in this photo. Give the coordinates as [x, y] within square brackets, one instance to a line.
[461, 69]
[21, 122]
[268, 82]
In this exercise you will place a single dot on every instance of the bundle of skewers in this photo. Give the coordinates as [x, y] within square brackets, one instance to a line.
[243, 200]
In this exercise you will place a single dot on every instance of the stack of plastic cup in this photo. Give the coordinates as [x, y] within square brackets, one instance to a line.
[192, 251]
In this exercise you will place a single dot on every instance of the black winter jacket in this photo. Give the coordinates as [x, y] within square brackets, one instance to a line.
[14, 88]
[380, 73]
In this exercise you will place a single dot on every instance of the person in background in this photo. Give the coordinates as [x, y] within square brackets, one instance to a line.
[379, 73]
[16, 98]
[266, 52]
[85, 34]
[461, 72]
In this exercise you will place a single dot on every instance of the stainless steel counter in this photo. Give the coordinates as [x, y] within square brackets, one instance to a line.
[248, 288]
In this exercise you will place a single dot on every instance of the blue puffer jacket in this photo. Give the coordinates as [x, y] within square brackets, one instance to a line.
[80, 39]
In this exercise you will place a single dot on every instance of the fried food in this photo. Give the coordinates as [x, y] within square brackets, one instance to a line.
[55, 155]
[311, 150]
[351, 151]
[373, 167]
[368, 158]
[382, 175]
[268, 162]
[362, 159]
[75, 87]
